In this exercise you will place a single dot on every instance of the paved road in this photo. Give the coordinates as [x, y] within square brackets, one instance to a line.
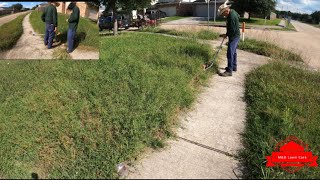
[306, 41]
[11, 17]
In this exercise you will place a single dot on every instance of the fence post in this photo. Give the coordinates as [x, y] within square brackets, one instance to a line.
[243, 28]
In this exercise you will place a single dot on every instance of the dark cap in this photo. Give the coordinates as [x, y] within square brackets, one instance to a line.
[71, 5]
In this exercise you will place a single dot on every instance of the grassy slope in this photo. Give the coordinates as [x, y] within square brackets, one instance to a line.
[63, 119]
[87, 32]
[282, 101]
[268, 49]
[10, 33]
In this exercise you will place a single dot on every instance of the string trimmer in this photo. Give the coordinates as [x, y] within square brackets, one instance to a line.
[209, 65]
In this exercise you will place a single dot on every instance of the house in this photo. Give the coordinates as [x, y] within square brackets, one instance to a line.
[86, 10]
[6, 10]
[198, 8]
[41, 7]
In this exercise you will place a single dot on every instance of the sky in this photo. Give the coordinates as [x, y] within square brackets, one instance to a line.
[25, 4]
[302, 6]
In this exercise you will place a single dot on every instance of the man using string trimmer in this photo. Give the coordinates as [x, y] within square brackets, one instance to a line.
[233, 33]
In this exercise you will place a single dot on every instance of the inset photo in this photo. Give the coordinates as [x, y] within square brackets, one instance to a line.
[49, 30]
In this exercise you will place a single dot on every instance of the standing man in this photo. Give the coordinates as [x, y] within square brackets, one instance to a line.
[50, 17]
[233, 33]
[73, 25]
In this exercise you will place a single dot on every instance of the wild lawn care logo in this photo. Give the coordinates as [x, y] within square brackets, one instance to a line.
[292, 155]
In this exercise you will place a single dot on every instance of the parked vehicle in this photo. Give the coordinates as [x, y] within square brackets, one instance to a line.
[106, 22]
[156, 13]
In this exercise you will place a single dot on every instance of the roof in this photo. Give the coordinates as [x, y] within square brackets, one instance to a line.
[43, 4]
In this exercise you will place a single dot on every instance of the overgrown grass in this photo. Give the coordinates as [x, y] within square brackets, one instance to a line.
[251, 21]
[10, 33]
[87, 35]
[259, 21]
[63, 119]
[203, 34]
[268, 49]
[171, 18]
[282, 101]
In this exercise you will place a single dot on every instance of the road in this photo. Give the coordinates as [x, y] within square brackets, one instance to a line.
[306, 41]
[11, 17]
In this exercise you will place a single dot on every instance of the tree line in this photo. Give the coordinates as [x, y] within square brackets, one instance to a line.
[314, 18]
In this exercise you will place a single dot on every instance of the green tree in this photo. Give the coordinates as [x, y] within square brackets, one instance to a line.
[316, 17]
[34, 7]
[125, 5]
[17, 6]
[258, 7]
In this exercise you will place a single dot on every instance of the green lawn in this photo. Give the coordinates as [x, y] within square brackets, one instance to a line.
[10, 33]
[171, 18]
[63, 119]
[282, 101]
[259, 21]
[252, 21]
[87, 33]
[203, 34]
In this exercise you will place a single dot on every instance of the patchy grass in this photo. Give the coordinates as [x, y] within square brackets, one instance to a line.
[268, 49]
[171, 18]
[282, 101]
[203, 34]
[63, 119]
[87, 33]
[10, 33]
[61, 53]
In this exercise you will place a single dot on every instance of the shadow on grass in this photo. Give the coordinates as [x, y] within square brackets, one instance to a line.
[34, 176]
[62, 38]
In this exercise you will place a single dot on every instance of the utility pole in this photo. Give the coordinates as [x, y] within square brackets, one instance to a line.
[208, 13]
[215, 10]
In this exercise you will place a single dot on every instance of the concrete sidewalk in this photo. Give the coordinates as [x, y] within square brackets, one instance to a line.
[209, 135]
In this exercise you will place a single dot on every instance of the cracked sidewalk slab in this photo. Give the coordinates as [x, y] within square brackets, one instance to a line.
[214, 124]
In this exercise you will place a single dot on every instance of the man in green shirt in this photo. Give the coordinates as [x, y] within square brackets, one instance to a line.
[73, 25]
[50, 17]
[233, 33]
